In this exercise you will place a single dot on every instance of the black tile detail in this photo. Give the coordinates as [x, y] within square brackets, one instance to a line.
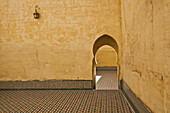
[65, 84]
[25, 85]
[52, 84]
[135, 102]
[17, 84]
[72, 84]
[48, 84]
[45, 84]
[87, 84]
[30, 84]
[59, 84]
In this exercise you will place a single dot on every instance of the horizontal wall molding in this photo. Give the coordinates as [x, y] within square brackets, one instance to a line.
[135, 102]
[47, 84]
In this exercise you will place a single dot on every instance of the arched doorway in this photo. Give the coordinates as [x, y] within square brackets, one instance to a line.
[106, 77]
[102, 41]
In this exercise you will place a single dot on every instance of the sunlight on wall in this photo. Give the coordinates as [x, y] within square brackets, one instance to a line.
[106, 56]
[59, 44]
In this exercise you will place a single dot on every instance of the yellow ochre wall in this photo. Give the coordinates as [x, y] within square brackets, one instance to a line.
[146, 51]
[58, 45]
[106, 56]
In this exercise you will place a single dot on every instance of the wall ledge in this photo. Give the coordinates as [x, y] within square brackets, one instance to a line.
[135, 102]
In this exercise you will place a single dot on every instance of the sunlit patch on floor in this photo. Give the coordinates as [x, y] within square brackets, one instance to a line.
[98, 78]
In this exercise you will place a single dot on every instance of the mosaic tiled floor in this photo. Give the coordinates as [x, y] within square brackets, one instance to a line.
[108, 80]
[63, 101]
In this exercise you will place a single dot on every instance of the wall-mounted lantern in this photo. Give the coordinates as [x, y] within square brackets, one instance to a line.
[36, 14]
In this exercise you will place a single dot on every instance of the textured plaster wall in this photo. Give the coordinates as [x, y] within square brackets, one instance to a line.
[146, 51]
[59, 44]
[106, 56]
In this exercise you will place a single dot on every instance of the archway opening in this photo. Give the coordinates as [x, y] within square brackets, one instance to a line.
[105, 63]
[106, 77]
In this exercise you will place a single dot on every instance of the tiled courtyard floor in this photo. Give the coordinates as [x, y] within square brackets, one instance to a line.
[108, 80]
[63, 101]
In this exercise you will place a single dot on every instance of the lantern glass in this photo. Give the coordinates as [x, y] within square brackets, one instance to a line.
[36, 14]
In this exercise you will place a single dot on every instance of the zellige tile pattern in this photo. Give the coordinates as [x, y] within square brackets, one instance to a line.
[63, 101]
